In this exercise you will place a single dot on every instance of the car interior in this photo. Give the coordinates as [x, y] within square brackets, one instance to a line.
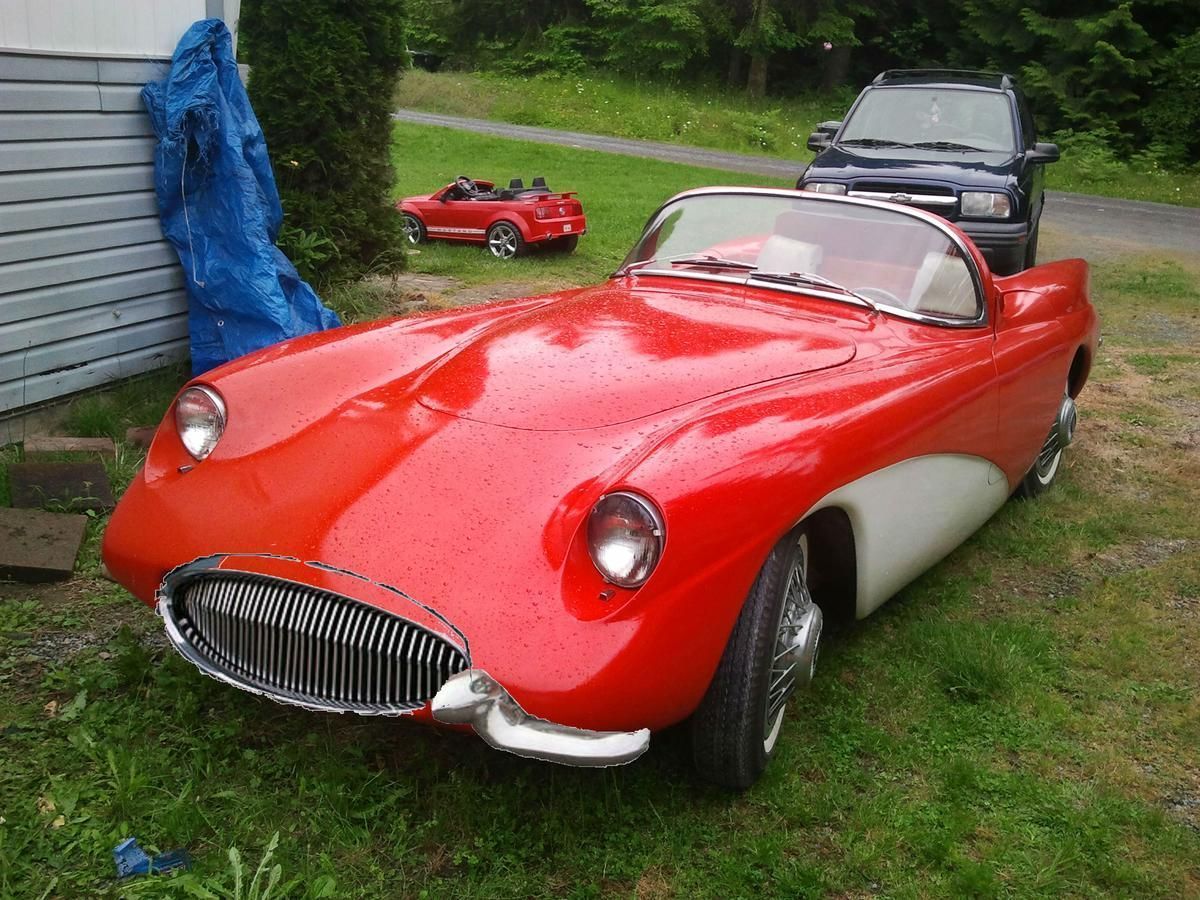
[465, 188]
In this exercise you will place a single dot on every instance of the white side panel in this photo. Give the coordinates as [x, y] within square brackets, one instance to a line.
[120, 27]
[909, 516]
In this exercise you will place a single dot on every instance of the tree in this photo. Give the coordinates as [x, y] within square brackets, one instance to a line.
[321, 81]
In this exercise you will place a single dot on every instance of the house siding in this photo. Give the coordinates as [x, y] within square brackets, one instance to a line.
[89, 290]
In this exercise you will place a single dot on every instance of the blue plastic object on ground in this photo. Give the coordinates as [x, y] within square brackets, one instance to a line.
[132, 860]
[220, 207]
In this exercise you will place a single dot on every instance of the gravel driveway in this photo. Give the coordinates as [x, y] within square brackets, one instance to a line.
[1081, 224]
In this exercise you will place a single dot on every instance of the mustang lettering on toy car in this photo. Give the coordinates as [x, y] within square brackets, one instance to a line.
[567, 521]
[507, 221]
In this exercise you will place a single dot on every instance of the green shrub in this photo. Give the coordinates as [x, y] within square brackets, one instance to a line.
[322, 77]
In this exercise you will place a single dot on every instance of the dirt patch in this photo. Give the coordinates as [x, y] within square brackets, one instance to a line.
[409, 293]
[1141, 555]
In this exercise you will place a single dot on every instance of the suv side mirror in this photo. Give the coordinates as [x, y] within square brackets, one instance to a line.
[1042, 153]
[830, 128]
[818, 141]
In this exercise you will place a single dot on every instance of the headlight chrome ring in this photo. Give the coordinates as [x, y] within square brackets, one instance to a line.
[200, 417]
[625, 535]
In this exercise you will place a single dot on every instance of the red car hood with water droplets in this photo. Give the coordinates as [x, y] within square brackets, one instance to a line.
[615, 354]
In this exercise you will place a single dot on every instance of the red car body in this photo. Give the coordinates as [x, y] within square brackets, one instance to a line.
[539, 216]
[443, 468]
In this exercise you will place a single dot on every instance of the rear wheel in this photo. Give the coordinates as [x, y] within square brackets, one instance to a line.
[771, 652]
[504, 241]
[565, 245]
[414, 229]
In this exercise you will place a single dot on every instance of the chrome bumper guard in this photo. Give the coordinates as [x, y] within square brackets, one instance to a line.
[474, 698]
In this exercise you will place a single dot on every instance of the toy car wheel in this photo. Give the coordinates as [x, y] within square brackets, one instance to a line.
[565, 245]
[414, 230]
[1049, 459]
[771, 652]
[504, 241]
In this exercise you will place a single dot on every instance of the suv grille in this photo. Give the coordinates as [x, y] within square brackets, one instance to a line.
[934, 198]
[306, 646]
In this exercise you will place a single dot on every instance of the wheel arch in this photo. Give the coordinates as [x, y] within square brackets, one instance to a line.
[508, 218]
[1077, 377]
[833, 561]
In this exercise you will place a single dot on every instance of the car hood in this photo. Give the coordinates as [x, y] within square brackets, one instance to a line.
[901, 164]
[613, 354]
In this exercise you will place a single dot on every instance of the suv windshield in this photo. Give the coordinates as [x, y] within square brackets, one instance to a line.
[838, 249]
[933, 118]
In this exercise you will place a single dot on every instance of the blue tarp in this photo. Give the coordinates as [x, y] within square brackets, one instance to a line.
[220, 207]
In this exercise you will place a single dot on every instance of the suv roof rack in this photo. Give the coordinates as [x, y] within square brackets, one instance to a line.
[1002, 80]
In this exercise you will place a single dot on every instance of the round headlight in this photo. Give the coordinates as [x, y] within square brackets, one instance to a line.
[200, 420]
[625, 538]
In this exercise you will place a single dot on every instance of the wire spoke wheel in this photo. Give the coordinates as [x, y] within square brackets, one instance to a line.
[785, 662]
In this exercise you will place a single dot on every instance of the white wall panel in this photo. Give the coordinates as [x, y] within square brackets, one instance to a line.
[116, 27]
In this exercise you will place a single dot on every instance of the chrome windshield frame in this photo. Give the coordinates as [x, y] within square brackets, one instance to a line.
[747, 278]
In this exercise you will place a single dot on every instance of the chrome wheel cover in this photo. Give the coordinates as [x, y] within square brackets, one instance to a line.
[412, 229]
[795, 616]
[502, 241]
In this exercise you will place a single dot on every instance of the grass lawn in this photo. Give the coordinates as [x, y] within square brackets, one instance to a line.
[728, 120]
[1022, 721]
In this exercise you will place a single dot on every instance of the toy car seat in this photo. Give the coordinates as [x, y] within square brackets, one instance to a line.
[539, 186]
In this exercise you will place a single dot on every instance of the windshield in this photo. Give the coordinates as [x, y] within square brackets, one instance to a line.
[843, 250]
[932, 118]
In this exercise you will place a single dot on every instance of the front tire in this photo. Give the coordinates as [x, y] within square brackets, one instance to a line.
[414, 230]
[1044, 471]
[1031, 248]
[772, 650]
[504, 241]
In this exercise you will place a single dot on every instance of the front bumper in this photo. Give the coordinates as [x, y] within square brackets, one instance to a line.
[310, 635]
[474, 698]
[1001, 243]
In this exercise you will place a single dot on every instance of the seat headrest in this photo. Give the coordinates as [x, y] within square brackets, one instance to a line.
[516, 185]
[539, 182]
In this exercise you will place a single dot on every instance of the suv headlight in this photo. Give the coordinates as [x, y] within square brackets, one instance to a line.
[824, 187]
[625, 536]
[199, 420]
[986, 204]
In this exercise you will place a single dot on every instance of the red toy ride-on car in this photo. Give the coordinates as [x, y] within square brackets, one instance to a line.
[507, 221]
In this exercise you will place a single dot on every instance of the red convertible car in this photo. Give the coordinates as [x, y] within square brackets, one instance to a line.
[507, 221]
[568, 521]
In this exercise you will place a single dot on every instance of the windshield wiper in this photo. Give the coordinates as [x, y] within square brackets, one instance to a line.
[811, 278]
[716, 262]
[691, 259]
[873, 142]
[947, 145]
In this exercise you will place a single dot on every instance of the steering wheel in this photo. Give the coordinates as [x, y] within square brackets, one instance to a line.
[879, 295]
[468, 187]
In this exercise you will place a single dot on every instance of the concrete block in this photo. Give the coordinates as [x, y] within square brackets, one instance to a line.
[39, 546]
[60, 486]
[141, 436]
[39, 444]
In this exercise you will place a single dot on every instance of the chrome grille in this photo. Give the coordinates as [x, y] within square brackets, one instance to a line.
[935, 198]
[303, 645]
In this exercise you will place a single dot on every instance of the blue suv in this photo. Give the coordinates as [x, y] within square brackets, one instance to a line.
[958, 143]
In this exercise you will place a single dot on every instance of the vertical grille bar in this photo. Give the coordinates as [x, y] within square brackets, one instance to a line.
[310, 646]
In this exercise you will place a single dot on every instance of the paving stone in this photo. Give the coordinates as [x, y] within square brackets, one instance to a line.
[60, 486]
[39, 444]
[37, 545]
[141, 436]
